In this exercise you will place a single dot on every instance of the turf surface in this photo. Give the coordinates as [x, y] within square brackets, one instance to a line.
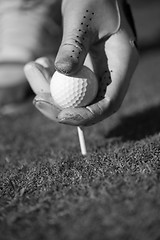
[49, 191]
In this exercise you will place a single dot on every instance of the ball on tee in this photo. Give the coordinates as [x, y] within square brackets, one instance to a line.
[78, 90]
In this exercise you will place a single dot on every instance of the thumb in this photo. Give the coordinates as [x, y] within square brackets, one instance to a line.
[77, 36]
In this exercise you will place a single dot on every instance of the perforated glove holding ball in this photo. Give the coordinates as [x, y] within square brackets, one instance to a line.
[97, 34]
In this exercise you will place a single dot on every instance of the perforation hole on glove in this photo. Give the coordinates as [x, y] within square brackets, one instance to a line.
[85, 23]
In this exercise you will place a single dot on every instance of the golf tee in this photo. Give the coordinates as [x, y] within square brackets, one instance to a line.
[82, 141]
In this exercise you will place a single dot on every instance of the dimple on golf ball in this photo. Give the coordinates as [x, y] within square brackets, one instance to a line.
[78, 90]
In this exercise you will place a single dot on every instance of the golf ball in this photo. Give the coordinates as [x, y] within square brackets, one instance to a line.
[78, 90]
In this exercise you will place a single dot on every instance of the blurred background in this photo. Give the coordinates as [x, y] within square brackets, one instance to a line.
[147, 20]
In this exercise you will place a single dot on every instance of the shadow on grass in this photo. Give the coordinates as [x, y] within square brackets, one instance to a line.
[138, 126]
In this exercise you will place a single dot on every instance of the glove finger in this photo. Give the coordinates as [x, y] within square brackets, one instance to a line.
[38, 77]
[77, 36]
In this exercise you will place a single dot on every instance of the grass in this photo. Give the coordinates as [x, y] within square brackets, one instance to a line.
[49, 191]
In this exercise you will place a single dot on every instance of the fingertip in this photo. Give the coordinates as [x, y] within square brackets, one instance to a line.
[75, 116]
[67, 65]
[69, 59]
[27, 67]
[29, 71]
[64, 66]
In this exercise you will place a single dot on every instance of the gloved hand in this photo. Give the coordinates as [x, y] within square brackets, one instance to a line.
[99, 34]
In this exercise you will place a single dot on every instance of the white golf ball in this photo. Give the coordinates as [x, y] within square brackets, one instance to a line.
[78, 90]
